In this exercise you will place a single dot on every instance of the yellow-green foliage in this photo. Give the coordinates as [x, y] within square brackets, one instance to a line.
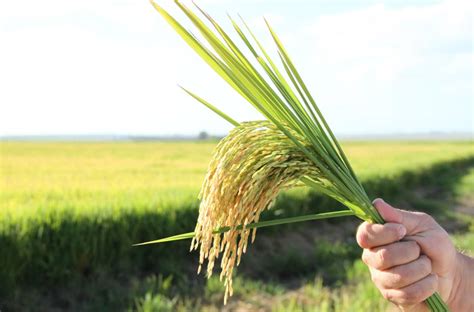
[90, 176]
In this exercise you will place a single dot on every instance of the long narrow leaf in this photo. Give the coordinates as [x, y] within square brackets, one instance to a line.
[212, 107]
[324, 215]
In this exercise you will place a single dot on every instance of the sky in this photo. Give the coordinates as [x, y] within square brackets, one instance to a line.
[113, 66]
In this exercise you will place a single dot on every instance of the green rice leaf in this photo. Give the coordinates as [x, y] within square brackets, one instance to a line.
[311, 217]
[212, 107]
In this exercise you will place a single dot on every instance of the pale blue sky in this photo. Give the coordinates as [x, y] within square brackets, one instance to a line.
[112, 67]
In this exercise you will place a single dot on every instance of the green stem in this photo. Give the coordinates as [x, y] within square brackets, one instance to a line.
[324, 215]
[436, 303]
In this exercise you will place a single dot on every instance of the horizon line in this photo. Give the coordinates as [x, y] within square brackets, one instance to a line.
[432, 135]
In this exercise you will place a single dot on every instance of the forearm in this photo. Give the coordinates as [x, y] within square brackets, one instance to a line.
[462, 298]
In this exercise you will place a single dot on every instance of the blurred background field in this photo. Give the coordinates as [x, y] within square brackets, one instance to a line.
[71, 210]
[95, 176]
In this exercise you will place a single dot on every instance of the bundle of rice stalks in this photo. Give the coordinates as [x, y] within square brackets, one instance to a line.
[258, 159]
[248, 170]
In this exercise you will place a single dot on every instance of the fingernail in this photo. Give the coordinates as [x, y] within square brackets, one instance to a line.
[378, 200]
[401, 231]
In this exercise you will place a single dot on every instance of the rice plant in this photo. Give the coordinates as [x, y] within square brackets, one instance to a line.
[260, 158]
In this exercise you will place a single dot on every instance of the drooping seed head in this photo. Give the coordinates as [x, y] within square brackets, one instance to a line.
[248, 169]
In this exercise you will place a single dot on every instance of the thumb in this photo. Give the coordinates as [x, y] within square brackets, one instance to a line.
[388, 213]
[411, 220]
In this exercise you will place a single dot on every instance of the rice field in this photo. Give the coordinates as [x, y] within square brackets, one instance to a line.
[86, 177]
[70, 211]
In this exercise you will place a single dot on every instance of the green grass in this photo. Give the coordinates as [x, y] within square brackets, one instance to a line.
[69, 213]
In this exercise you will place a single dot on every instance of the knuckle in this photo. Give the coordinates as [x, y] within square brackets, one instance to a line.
[383, 257]
[397, 279]
[362, 238]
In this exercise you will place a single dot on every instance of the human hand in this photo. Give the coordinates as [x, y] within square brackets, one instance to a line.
[410, 257]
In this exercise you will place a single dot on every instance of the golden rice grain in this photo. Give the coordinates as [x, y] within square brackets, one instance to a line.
[248, 170]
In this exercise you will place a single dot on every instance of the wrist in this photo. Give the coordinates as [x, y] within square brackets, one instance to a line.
[460, 295]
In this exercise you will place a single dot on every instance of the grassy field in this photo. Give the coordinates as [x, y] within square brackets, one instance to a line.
[70, 211]
[89, 177]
